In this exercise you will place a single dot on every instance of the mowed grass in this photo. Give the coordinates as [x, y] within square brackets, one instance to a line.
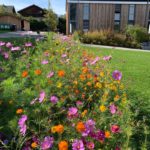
[134, 65]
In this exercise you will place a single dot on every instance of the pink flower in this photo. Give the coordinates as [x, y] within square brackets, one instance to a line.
[117, 75]
[107, 58]
[113, 109]
[51, 74]
[78, 145]
[15, 48]
[90, 145]
[22, 124]
[115, 129]
[9, 45]
[2, 43]
[72, 112]
[54, 99]
[47, 143]
[64, 55]
[79, 103]
[29, 44]
[33, 101]
[6, 55]
[42, 96]
[95, 60]
[44, 62]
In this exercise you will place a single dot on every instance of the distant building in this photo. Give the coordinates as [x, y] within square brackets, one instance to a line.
[33, 11]
[9, 20]
[90, 15]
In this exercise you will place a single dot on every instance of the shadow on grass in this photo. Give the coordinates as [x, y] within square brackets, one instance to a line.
[140, 107]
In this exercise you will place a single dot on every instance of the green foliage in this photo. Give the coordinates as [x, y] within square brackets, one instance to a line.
[36, 25]
[106, 37]
[51, 20]
[137, 33]
[61, 25]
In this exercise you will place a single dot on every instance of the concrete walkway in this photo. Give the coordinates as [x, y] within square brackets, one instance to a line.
[116, 48]
[21, 34]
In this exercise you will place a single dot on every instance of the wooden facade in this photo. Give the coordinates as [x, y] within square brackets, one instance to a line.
[102, 14]
[14, 20]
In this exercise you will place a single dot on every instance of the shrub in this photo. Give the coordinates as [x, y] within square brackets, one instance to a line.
[138, 33]
[107, 37]
[62, 97]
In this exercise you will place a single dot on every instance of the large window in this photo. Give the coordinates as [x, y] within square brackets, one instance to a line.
[117, 17]
[131, 18]
[86, 16]
[73, 16]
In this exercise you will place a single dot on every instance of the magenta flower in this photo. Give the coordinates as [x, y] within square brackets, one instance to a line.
[107, 58]
[117, 75]
[44, 62]
[72, 112]
[9, 45]
[22, 124]
[79, 103]
[78, 145]
[15, 48]
[90, 145]
[95, 60]
[54, 99]
[51, 74]
[29, 44]
[113, 109]
[42, 96]
[2, 43]
[117, 148]
[47, 143]
[115, 129]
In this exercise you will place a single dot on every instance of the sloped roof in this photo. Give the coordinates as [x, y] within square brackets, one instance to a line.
[8, 8]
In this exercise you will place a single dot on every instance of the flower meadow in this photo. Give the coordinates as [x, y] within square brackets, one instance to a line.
[53, 95]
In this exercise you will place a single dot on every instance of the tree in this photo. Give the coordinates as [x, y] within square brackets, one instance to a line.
[62, 24]
[50, 19]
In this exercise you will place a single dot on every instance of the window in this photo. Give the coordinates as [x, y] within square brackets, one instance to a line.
[86, 16]
[73, 16]
[117, 17]
[131, 14]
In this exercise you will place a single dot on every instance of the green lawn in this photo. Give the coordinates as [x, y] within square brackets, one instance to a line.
[134, 65]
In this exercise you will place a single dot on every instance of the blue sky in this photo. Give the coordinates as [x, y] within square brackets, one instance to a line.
[57, 5]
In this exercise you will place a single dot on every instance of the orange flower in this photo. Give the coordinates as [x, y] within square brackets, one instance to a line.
[85, 70]
[107, 134]
[19, 111]
[61, 73]
[80, 127]
[34, 145]
[58, 129]
[82, 77]
[63, 145]
[116, 98]
[24, 74]
[89, 83]
[38, 72]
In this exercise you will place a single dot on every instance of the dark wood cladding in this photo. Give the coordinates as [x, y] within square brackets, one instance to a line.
[102, 16]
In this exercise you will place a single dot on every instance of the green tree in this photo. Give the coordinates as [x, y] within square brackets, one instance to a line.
[50, 18]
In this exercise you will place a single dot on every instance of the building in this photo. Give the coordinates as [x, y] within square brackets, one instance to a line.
[9, 20]
[33, 11]
[90, 15]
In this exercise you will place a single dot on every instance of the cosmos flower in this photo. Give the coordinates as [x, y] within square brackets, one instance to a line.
[64, 55]
[17, 48]
[6, 55]
[54, 99]
[117, 75]
[78, 145]
[42, 96]
[90, 145]
[22, 124]
[72, 112]
[9, 45]
[51, 74]
[115, 129]
[107, 58]
[95, 60]
[113, 109]
[44, 62]
[29, 44]
[2, 43]
[47, 143]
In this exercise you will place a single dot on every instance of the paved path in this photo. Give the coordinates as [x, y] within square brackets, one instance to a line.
[22, 34]
[116, 48]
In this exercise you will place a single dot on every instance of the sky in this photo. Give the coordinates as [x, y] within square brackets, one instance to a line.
[57, 5]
